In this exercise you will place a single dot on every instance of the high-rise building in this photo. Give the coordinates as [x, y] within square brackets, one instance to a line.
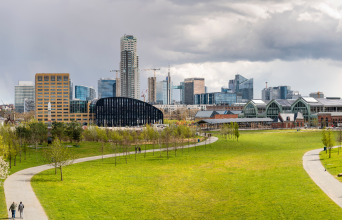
[24, 90]
[29, 105]
[242, 86]
[193, 86]
[280, 92]
[71, 91]
[162, 93]
[216, 98]
[152, 90]
[85, 93]
[317, 95]
[54, 88]
[106, 88]
[129, 67]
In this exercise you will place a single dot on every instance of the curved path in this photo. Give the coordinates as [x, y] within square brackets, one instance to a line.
[18, 188]
[331, 186]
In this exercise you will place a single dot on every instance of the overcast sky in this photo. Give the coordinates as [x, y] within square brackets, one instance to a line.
[295, 43]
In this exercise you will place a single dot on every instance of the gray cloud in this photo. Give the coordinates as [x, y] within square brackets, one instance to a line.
[82, 37]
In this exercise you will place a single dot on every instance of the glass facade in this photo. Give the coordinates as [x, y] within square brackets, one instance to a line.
[106, 88]
[161, 92]
[250, 111]
[25, 90]
[273, 110]
[302, 107]
[215, 98]
[85, 93]
[78, 106]
[122, 111]
[242, 86]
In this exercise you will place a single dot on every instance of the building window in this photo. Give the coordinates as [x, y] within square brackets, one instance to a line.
[40, 78]
[59, 78]
[46, 78]
[53, 78]
[65, 78]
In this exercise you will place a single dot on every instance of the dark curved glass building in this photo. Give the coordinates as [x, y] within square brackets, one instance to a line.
[123, 111]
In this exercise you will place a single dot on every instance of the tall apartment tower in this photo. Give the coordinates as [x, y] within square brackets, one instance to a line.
[24, 90]
[52, 88]
[193, 86]
[129, 67]
[152, 89]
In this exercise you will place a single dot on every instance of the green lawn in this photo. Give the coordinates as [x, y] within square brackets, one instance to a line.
[259, 177]
[34, 158]
[333, 164]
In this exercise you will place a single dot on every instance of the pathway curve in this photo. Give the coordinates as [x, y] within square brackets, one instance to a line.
[331, 186]
[18, 188]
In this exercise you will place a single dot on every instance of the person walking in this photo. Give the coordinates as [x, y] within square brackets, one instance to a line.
[21, 209]
[136, 149]
[139, 149]
[12, 208]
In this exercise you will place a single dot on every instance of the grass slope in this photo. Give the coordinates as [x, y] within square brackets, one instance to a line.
[34, 158]
[259, 177]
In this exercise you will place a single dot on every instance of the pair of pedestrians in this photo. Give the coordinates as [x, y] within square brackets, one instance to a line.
[20, 209]
[137, 149]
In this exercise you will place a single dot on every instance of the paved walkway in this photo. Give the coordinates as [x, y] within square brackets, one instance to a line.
[331, 186]
[18, 188]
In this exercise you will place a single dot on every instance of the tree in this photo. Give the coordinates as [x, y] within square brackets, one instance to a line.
[74, 131]
[145, 135]
[59, 155]
[166, 135]
[339, 139]
[58, 130]
[3, 164]
[324, 139]
[330, 140]
[104, 139]
[236, 131]
[38, 134]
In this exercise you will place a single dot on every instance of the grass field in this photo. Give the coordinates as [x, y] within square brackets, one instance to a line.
[333, 164]
[34, 158]
[259, 177]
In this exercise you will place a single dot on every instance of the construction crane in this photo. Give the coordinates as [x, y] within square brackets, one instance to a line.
[117, 71]
[143, 94]
[154, 69]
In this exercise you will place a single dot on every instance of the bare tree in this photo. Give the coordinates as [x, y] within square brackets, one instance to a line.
[59, 155]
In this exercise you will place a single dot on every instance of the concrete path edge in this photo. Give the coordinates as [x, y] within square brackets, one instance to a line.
[327, 182]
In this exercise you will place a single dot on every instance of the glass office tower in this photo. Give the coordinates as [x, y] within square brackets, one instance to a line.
[215, 98]
[162, 92]
[24, 90]
[85, 93]
[106, 88]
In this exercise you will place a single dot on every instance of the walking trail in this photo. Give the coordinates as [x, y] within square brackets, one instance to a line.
[331, 186]
[18, 188]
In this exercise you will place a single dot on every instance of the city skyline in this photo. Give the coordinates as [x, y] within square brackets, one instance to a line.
[267, 41]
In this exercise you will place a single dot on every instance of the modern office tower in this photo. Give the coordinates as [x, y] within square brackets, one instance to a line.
[215, 98]
[193, 86]
[152, 90]
[85, 93]
[54, 88]
[225, 89]
[129, 67]
[162, 92]
[29, 105]
[242, 86]
[280, 92]
[317, 95]
[106, 87]
[24, 90]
